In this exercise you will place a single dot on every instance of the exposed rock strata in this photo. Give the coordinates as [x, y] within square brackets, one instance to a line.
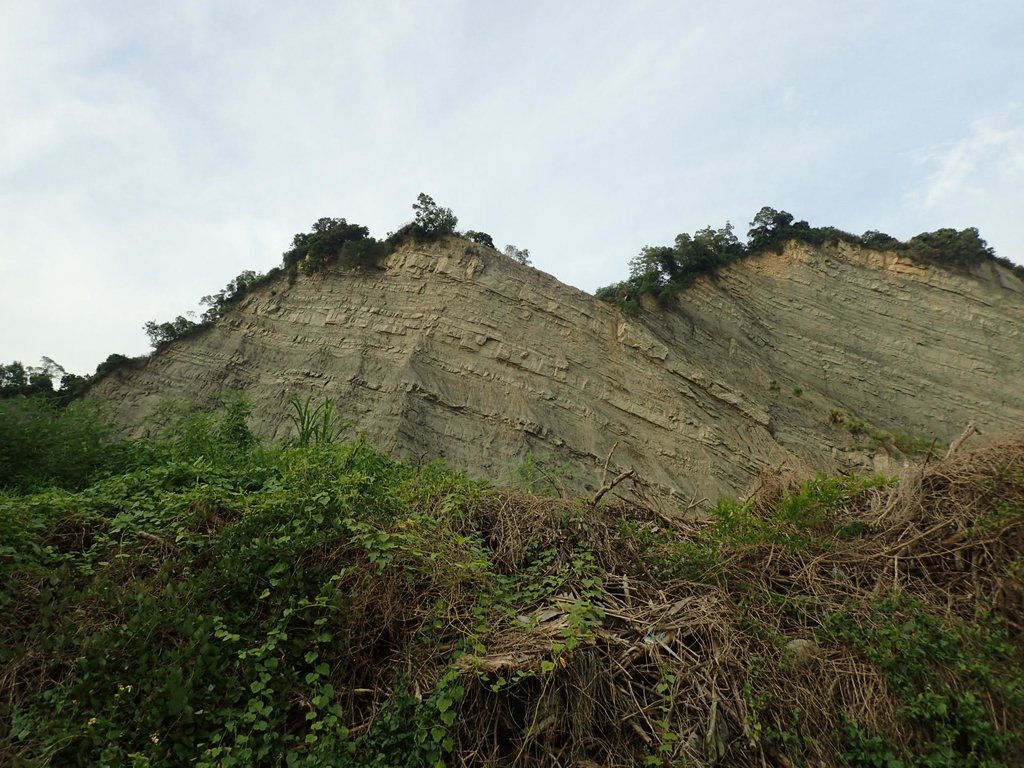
[455, 351]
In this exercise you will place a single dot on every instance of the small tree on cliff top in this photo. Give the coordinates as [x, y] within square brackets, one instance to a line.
[431, 218]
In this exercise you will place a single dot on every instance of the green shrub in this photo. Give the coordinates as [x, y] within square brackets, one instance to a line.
[481, 238]
[953, 681]
[314, 250]
[947, 247]
[162, 334]
[42, 444]
[709, 250]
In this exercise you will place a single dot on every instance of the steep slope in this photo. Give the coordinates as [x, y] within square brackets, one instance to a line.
[454, 351]
[904, 347]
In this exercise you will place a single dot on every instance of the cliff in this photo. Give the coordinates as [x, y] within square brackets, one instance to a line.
[453, 351]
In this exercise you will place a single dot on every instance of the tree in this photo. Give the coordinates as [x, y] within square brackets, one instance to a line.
[519, 255]
[653, 266]
[162, 334]
[660, 270]
[32, 381]
[232, 293]
[947, 246]
[707, 250]
[769, 229]
[18, 379]
[112, 362]
[879, 240]
[431, 219]
[481, 238]
[314, 250]
[72, 386]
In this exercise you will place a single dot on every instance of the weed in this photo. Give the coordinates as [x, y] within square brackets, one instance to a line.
[314, 425]
[538, 474]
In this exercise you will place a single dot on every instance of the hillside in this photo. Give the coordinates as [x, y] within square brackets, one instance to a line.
[176, 589]
[824, 358]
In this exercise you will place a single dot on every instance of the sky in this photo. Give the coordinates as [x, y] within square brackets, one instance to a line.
[152, 151]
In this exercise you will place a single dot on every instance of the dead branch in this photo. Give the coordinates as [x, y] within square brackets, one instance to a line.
[609, 485]
[608, 460]
[970, 428]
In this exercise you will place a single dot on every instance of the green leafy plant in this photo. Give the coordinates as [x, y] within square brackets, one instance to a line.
[314, 425]
[42, 444]
[952, 680]
[539, 474]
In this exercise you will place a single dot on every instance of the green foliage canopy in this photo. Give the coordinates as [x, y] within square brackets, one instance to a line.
[662, 270]
[949, 247]
[162, 334]
[482, 238]
[43, 445]
[518, 255]
[433, 220]
[326, 242]
[18, 379]
[230, 294]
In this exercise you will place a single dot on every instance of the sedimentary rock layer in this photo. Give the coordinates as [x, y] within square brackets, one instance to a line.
[453, 351]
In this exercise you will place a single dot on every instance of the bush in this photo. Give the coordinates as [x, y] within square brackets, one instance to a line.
[113, 362]
[658, 268]
[880, 241]
[220, 603]
[231, 294]
[481, 238]
[947, 247]
[314, 250]
[518, 255]
[661, 270]
[43, 445]
[162, 334]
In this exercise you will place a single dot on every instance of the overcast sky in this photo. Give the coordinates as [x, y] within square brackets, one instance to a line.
[151, 151]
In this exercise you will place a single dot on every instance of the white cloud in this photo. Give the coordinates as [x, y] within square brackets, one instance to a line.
[991, 153]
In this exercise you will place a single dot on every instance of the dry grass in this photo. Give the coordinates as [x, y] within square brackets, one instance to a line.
[711, 670]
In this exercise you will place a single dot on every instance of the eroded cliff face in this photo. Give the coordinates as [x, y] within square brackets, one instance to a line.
[454, 351]
[904, 347]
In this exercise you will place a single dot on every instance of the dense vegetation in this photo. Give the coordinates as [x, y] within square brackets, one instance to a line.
[201, 598]
[660, 271]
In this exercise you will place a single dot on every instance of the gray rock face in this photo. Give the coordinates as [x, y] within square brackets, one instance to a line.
[454, 351]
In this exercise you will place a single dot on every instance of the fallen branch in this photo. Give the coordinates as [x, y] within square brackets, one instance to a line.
[608, 460]
[609, 485]
[970, 428]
